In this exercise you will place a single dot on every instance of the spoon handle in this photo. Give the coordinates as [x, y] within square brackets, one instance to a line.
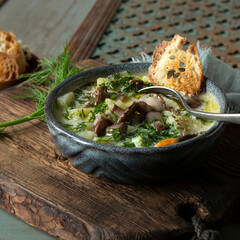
[224, 117]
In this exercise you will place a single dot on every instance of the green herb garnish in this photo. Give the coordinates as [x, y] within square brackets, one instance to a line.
[82, 114]
[81, 126]
[81, 96]
[117, 135]
[127, 84]
[100, 108]
[150, 135]
[128, 144]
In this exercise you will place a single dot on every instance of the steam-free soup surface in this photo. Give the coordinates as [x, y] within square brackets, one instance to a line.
[111, 111]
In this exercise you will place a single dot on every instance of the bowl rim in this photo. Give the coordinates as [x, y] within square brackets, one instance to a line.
[51, 120]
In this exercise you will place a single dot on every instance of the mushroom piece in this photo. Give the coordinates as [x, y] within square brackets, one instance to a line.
[142, 107]
[117, 110]
[128, 114]
[159, 126]
[98, 116]
[122, 128]
[154, 100]
[194, 102]
[151, 116]
[101, 125]
[99, 95]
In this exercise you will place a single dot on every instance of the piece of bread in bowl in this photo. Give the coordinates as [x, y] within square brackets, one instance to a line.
[10, 46]
[176, 64]
[8, 68]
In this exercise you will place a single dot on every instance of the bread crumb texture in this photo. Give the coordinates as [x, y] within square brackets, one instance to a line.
[176, 64]
[12, 58]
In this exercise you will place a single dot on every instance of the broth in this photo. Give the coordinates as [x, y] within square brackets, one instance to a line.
[111, 111]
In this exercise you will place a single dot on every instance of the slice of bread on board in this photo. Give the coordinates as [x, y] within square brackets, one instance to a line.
[10, 46]
[176, 64]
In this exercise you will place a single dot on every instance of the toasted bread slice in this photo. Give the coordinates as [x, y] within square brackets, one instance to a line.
[8, 68]
[177, 68]
[10, 46]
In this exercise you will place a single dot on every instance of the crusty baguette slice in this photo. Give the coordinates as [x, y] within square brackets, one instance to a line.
[8, 68]
[177, 68]
[10, 46]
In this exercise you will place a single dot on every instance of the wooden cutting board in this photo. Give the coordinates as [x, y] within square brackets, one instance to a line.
[42, 188]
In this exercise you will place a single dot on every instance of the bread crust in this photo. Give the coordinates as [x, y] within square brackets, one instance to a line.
[8, 68]
[177, 68]
[10, 46]
[159, 50]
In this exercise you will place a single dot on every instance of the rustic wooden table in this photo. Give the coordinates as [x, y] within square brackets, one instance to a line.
[47, 205]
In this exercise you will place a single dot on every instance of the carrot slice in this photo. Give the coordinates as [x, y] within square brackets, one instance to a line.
[166, 142]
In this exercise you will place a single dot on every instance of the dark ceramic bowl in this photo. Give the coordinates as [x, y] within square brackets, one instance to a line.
[123, 164]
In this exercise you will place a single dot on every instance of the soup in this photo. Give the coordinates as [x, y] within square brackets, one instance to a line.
[111, 111]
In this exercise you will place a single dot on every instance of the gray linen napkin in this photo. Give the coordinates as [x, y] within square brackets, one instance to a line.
[225, 77]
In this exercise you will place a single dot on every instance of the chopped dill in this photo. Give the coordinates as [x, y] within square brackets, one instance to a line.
[114, 96]
[82, 114]
[127, 84]
[128, 144]
[150, 135]
[100, 108]
[67, 114]
[81, 96]
[117, 135]
[187, 114]
[114, 116]
[81, 126]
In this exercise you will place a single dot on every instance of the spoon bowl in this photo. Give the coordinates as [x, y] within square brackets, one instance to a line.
[224, 117]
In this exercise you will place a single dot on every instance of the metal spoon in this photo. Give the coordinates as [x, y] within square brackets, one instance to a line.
[225, 117]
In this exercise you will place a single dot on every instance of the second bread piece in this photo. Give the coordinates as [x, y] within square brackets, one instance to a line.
[10, 46]
[176, 67]
[8, 68]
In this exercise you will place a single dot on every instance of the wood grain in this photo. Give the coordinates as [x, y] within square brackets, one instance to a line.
[44, 26]
[42, 188]
[88, 34]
